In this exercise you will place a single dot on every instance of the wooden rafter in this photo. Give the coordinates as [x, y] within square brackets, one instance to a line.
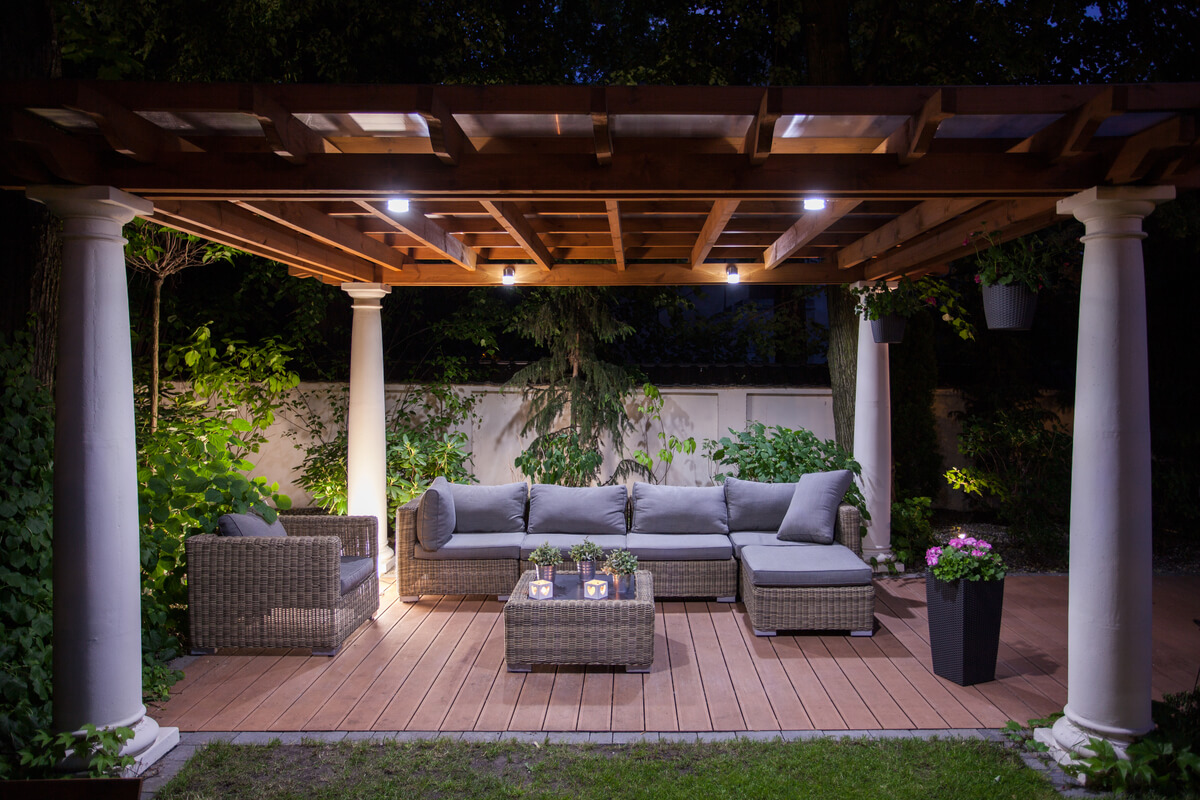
[601, 130]
[613, 209]
[714, 226]
[911, 141]
[915, 221]
[1070, 135]
[127, 133]
[1142, 151]
[518, 227]
[445, 136]
[304, 220]
[428, 233]
[807, 228]
[288, 137]
[61, 154]
[761, 134]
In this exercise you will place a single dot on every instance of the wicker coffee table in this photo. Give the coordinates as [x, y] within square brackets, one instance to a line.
[571, 630]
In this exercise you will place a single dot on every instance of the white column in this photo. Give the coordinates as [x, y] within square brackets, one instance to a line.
[97, 573]
[873, 443]
[1109, 611]
[366, 489]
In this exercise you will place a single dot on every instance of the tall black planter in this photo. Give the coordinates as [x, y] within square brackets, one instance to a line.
[964, 628]
[888, 329]
[1009, 308]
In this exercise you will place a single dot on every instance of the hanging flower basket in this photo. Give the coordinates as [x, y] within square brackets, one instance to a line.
[888, 329]
[964, 628]
[1009, 307]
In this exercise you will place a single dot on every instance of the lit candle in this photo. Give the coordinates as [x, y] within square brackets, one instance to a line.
[595, 589]
[540, 590]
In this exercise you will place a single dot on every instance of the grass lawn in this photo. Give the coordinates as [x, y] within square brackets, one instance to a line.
[821, 768]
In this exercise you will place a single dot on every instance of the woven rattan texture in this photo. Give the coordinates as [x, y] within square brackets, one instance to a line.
[808, 608]
[450, 576]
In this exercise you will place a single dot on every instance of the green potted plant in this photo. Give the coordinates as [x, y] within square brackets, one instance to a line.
[622, 565]
[585, 555]
[545, 557]
[1010, 276]
[964, 596]
[888, 307]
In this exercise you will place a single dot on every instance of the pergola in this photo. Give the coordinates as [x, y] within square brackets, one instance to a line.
[597, 186]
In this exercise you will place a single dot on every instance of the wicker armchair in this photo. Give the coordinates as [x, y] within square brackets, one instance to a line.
[280, 591]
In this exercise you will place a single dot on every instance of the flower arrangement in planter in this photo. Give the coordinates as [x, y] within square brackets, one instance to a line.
[545, 557]
[888, 307]
[1011, 275]
[621, 564]
[964, 595]
[585, 555]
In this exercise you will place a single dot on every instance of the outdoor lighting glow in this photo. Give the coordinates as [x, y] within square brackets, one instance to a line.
[541, 590]
[398, 205]
[814, 204]
[509, 277]
[731, 274]
[596, 589]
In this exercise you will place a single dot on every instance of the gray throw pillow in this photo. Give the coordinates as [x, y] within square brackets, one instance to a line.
[248, 525]
[756, 506]
[489, 509]
[435, 515]
[813, 511]
[678, 509]
[571, 509]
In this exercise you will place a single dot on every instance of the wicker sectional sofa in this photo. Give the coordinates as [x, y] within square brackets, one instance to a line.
[458, 539]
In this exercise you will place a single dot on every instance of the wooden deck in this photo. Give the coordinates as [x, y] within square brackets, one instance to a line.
[438, 665]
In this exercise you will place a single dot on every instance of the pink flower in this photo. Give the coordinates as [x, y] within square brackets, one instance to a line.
[931, 301]
[966, 241]
[977, 552]
[931, 556]
[978, 279]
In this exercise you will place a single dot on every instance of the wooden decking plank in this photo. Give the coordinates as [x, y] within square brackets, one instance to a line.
[184, 705]
[813, 696]
[882, 705]
[785, 703]
[757, 711]
[562, 712]
[231, 717]
[595, 704]
[283, 695]
[931, 688]
[432, 710]
[221, 696]
[907, 701]
[628, 713]
[465, 710]
[850, 705]
[530, 710]
[417, 684]
[690, 706]
[723, 707]
[658, 690]
[501, 701]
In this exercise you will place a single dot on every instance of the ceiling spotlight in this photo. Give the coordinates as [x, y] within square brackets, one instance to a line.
[509, 277]
[814, 204]
[731, 274]
[398, 205]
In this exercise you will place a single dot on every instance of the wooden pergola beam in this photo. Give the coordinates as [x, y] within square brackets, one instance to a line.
[915, 221]
[807, 228]
[445, 136]
[288, 137]
[427, 232]
[912, 140]
[1070, 135]
[518, 227]
[327, 230]
[601, 129]
[761, 134]
[125, 131]
[1142, 151]
[714, 226]
[613, 209]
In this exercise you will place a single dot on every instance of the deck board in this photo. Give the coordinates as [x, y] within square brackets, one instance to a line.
[438, 664]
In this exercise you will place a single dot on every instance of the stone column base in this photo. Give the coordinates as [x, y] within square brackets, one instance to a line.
[164, 742]
[883, 562]
[1067, 743]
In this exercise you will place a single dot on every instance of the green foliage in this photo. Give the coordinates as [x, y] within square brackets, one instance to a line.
[546, 555]
[587, 550]
[26, 508]
[1027, 261]
[559, 457]
[97, 751]
[1023, 734]
[906, 298]
[965, 558]
[912, 533]
[782, 455]
[620, 562]
[672, 445]
[1022, 467]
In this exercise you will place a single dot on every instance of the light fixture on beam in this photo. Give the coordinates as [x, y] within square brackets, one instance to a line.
[731, 274]
[509, 276]
[814, 204]
[397, 205]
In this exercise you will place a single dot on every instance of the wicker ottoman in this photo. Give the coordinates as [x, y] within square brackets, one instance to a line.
[810, 588]
[610, 632]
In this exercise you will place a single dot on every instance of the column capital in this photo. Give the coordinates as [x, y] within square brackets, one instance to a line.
[1107, 202]
[367, 291]
[91, 201]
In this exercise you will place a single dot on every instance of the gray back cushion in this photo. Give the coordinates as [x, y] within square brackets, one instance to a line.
[436, 515]
[248, 525]
[678, 509]
[813, 511]
[489, 509]
[570, 509]
[756, 506]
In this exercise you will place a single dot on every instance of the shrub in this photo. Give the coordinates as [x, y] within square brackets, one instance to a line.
[912, 533]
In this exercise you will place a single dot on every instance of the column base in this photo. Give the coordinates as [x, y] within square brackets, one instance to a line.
[387, 561]
[1067, 743]
[883, 562]
[164, 742]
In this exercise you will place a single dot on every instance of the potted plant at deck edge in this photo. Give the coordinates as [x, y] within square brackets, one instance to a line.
[585, 555]
[1010, 276]
[888, 308]
[621, 564]
[964, 596]
[545, 557]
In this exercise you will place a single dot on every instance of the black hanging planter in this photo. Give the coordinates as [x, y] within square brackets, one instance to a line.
[888, 329]
[964, 628]
[1009, 307]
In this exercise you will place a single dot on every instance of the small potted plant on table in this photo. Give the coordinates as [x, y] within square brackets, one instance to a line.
[964, 596]
[622, 565]
[545, 558]
[585, 555]
[1010, 276]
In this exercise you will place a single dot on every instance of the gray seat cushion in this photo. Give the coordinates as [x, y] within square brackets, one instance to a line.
[813, 510]
[740, 539]
[680, 546]
[826, 565]
[248, 525]
[678, 509]
[489, 509]
[436, 515]
[353, 570]
[564, 541]
[757, 506]
[570, 509]
[475, 545]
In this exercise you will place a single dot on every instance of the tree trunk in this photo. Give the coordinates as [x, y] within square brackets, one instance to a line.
[843, 362]
[154, 314]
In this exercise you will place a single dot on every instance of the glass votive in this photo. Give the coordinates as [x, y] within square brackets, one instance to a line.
[540, 590]
[595, 589]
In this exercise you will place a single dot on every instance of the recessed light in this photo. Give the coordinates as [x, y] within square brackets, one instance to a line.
[397, 205]
[814, 204]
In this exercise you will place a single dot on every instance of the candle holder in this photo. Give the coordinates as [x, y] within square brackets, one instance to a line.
[595, 589]
[541, 590]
